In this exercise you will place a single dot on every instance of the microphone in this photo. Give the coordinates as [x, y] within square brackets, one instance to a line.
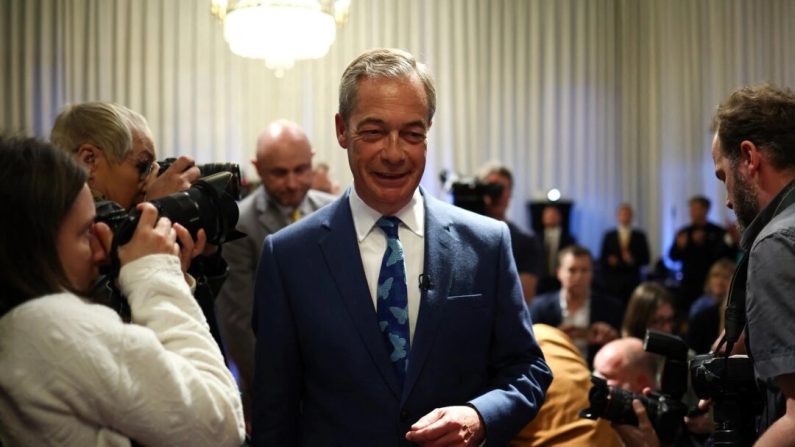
[425, 282]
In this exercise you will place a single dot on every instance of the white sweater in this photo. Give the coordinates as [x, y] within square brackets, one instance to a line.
[73, 374]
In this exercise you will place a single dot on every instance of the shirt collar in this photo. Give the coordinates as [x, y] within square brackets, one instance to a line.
[364, 217]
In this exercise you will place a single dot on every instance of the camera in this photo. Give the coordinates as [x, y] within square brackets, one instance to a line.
[736, 401]
[209, 204]
[665, 409]
[208, 169]
[470, 193]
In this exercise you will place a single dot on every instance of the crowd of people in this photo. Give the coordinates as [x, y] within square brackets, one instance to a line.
[376, 315]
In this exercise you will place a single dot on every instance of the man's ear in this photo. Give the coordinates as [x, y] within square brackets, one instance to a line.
[339, 124]
[750, 155]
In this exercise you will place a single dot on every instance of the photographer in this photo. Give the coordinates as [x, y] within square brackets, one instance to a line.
[525, 247]
[115, 146]
[73, 373]
[754, 154]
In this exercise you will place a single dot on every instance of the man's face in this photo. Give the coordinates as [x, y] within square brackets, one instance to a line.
[78, 249]
[740, 195]
[497, 208]
[550, 217]
[386, 140]
[286, 170]
[624, 216]
[124, 181]
[610, 365]
[575, 274]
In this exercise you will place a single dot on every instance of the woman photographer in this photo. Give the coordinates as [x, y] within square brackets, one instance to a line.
[73, 373]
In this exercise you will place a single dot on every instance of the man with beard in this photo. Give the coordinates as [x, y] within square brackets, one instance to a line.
[754, 155]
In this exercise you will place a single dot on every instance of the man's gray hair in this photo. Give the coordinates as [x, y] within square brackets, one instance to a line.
[108, 126]
[383, 63]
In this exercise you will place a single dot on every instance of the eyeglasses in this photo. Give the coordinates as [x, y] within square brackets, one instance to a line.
[144, 168]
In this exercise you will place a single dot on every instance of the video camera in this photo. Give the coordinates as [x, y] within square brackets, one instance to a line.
[470, 193]
[731, 385]
[665, 409]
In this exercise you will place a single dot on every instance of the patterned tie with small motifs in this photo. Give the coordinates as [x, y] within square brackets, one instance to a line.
[392, 307]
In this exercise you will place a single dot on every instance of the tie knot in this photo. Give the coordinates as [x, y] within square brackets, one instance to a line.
[389, 224]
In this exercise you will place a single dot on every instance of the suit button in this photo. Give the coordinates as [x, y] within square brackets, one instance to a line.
[404, 416]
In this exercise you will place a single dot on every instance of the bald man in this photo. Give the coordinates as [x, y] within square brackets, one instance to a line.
[624, 364]
[284, 164]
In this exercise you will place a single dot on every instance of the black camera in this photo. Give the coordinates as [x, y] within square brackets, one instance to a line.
[470, 194]
[208, 169]
[736, 401]
[209, 203]
[665, 409]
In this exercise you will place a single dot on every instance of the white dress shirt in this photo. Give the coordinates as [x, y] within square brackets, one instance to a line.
[372, 244]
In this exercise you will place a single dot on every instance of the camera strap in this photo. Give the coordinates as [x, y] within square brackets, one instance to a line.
[735, 306]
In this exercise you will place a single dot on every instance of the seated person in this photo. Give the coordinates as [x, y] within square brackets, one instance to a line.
[558, 422]
[590, 320]
[73, 373]
[705, 320]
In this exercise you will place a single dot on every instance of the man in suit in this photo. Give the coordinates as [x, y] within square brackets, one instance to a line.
[554, 238]
[625, 251]
[284, 163]
[452, 357]
[589, 319]
[697, 246]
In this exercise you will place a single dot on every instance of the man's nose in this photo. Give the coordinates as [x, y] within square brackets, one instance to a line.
[392, 151]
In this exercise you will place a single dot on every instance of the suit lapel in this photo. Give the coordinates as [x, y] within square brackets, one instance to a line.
[439, 246]
[268, 215]
[341, 251]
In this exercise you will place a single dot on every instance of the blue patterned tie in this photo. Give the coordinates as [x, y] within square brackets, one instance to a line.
[392, 308]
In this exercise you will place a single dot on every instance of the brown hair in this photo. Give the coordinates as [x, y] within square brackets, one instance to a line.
[643, 303]
[40, 184]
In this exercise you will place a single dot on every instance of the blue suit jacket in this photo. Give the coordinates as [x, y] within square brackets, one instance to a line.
[323, 375]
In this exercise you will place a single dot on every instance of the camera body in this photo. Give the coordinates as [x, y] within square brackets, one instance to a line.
[205, 170]
[665, 409]
[615, 404]
[470, 194]
[207, 204]
[731, 385]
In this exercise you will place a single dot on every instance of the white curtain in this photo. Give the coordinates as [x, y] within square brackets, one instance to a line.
[607, 100]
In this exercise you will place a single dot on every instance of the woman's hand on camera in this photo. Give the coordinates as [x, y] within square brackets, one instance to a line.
[189, 248]
[152, 236]
[178, 177]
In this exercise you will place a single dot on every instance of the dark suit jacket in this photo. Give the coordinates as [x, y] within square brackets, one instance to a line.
[323, 375]
[621, 279]
[545, 309]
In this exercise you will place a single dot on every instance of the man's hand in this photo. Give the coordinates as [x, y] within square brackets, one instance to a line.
[641, 436]
[681, 239]
[448, 426]
[178, 177]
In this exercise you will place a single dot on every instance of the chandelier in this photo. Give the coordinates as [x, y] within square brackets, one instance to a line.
[281, 31]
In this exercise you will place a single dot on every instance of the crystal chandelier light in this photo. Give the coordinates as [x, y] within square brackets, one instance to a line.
[281, 31]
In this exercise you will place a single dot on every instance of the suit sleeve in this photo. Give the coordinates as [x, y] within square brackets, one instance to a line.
[277, 387]
[519, 374]
[233, 307]
[643, 257]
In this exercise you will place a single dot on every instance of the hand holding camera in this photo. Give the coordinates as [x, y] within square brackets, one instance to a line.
[177, 176]
[152, 235]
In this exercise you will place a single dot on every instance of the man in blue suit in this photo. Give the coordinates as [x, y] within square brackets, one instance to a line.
[329, 369]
